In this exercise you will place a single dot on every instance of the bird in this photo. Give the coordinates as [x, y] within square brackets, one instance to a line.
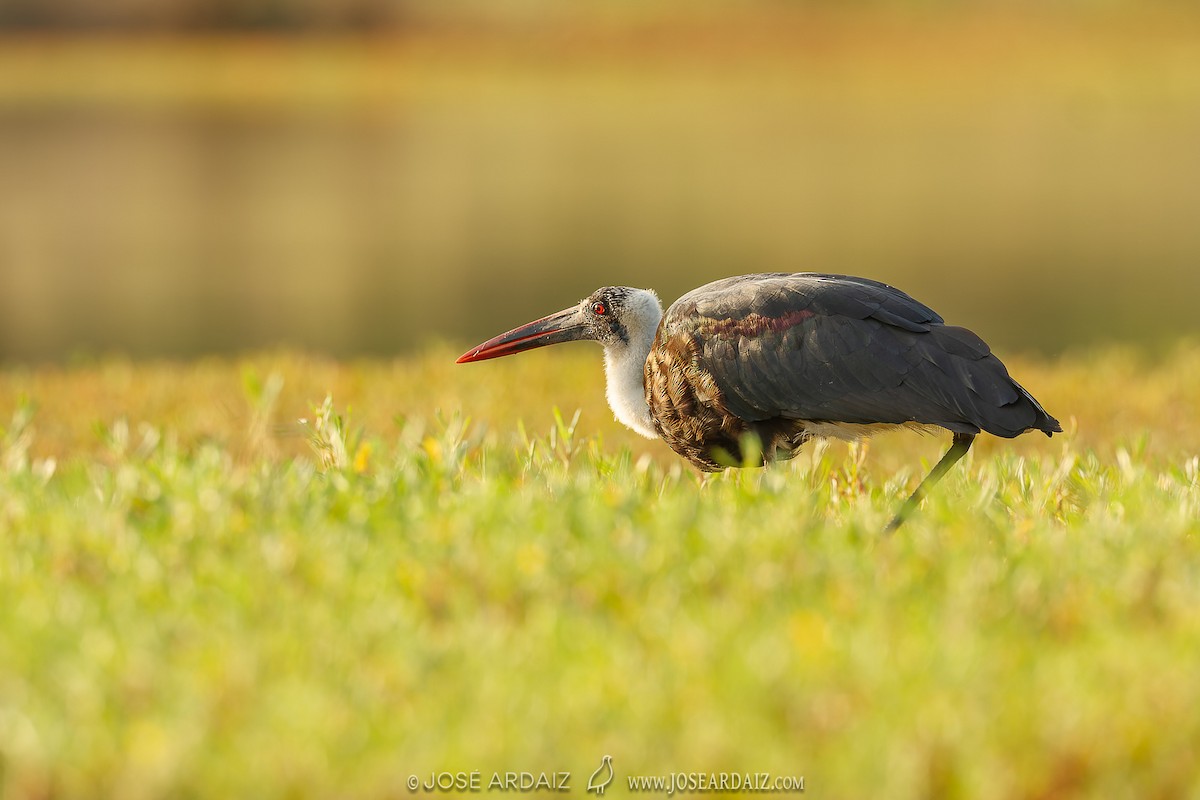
[602, 777]
[781, 359]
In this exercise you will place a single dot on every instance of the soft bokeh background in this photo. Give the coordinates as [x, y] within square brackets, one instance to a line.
[205, 595]
[365, 177]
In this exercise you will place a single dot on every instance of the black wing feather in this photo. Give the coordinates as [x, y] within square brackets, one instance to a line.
[835, 348]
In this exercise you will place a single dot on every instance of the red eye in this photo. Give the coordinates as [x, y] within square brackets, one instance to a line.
[599, 309]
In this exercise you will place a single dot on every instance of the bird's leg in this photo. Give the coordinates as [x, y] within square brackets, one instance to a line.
[958, 449]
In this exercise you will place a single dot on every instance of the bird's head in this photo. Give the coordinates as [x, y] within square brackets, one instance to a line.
[612, 315]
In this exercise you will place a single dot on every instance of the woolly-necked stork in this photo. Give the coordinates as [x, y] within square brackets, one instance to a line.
[787, 357]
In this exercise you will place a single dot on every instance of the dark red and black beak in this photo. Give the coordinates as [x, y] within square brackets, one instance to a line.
[565, 326]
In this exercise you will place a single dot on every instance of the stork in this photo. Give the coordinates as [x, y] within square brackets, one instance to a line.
[787, 357]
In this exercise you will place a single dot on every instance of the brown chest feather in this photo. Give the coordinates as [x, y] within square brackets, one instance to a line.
[690, 414]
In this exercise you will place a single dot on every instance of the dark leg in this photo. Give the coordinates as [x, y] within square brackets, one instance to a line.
[958, 449]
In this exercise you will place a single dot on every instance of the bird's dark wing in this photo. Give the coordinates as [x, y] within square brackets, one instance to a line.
[834, 348]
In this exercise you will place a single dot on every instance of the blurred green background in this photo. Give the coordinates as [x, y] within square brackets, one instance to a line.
[364, 177]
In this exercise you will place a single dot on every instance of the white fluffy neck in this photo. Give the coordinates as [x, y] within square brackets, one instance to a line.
[625, 363]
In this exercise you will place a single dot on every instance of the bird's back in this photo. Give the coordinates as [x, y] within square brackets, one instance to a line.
[788, 355]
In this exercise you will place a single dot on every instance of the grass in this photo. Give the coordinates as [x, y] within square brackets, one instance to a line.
[436, 571]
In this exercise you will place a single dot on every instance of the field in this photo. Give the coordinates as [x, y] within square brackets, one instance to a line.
[436, 571]
[289, 575]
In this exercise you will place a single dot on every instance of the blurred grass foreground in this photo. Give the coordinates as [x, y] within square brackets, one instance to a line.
[365, 181]
[205, 597]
